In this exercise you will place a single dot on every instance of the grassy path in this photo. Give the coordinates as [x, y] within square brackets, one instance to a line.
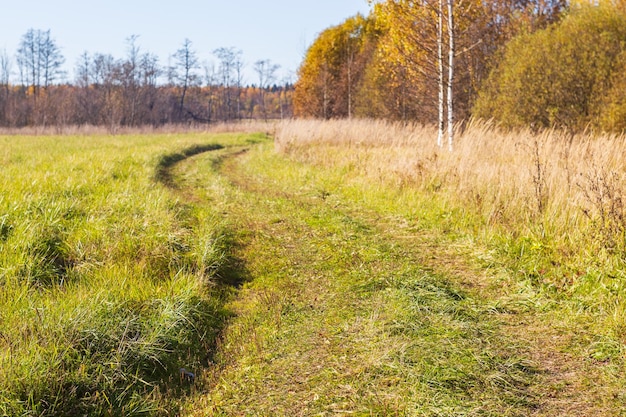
[349, 310]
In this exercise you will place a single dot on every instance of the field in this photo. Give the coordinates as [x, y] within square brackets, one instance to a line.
[108, 277]
[344, 268]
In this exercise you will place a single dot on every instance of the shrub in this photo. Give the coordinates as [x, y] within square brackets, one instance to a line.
[559, 76]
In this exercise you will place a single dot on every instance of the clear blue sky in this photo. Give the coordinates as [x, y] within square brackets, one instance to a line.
[278, 30]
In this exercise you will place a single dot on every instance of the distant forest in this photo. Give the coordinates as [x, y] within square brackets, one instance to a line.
[521, 63]
[134, 90]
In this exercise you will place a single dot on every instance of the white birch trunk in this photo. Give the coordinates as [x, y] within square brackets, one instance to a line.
[350, 59]
[441, 125]
[450, 74]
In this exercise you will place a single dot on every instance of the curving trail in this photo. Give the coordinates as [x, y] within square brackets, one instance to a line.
[349, 310]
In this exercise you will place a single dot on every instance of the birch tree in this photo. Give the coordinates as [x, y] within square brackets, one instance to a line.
[440, 74]
[451, 52]
[441, 104]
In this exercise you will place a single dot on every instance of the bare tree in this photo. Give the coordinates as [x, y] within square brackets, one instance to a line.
[86, 96]
[183, 72]
[150, 72]
[5, 79]
[267, 75]
[5, 68]
[51, 59]
[230, 58]
[83, 70]
[129, 78]
[106, 74]
[111, 92]
[286, 82]
[212, 80]
[28, 59]
[239, 65]
[39, 59]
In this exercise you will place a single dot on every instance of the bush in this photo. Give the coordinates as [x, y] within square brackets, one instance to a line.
[560, 76]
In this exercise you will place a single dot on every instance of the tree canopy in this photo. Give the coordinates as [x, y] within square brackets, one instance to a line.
[333, 68]
[541, 63]
[569, 75]
[385, 65]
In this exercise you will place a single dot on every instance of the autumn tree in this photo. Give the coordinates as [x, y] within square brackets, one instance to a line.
[563, 76]
[408, 57]
[421, 44]
[333, 69]
[314, 80]
[611, 115]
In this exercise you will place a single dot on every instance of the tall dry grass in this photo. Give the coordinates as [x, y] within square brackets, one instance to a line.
[559, 190]
[241, 126]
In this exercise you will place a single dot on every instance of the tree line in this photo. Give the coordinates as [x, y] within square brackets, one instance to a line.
[135, 90]
[542, 63]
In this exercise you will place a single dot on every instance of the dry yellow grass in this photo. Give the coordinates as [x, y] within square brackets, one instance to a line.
[561, 182]
[547, 206]
[242, 126]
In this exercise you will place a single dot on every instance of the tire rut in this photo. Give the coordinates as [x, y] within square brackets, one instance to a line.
[303, 285]
[562, 385]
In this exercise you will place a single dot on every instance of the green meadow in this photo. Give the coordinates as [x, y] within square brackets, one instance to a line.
[335, 268]
[109, 278]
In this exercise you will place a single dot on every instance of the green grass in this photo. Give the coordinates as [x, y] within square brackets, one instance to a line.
[341, 315]
[109, 279]
[554, 277]
[288, 288]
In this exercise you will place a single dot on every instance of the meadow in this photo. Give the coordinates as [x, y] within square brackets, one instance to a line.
[108, 277]
[346, 267]
[547, 207]
[391, 277]
[541, 214]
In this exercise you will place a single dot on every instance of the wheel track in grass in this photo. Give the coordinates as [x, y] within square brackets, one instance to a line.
[317, 334]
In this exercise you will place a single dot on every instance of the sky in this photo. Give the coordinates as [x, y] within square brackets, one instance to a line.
[275, 30]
